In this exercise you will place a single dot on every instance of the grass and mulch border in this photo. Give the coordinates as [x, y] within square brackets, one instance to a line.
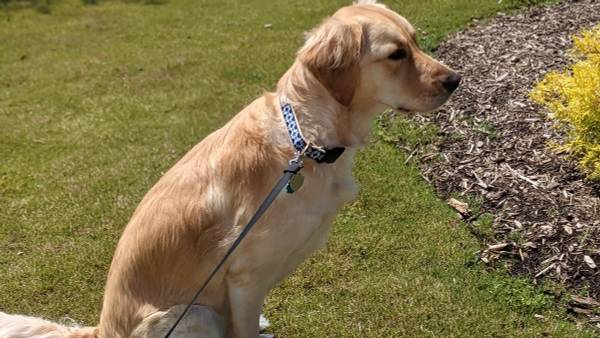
[531, 207]
[97, 101]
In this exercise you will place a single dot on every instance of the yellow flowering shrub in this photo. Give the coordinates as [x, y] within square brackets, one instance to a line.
[573, 97]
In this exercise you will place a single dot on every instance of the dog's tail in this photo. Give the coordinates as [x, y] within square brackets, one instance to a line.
[17, 326]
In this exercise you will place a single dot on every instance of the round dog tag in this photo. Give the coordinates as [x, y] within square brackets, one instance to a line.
[295, 183]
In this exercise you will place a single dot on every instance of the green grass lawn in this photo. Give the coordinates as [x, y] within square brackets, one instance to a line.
[96, 102]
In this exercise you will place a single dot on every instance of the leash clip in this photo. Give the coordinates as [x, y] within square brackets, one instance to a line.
[295, 165]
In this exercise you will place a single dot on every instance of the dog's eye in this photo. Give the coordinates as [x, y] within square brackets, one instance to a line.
[398, 54]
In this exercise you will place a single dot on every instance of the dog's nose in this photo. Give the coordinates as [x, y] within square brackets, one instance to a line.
[451, 82]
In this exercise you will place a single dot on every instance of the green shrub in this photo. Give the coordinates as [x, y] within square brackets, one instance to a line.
[573, 98]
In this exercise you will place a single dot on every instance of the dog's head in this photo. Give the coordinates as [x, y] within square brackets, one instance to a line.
[367, 52]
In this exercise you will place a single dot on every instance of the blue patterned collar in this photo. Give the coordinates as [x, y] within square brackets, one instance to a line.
[318, 154]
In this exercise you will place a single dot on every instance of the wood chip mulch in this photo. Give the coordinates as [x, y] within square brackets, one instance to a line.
[495, 146]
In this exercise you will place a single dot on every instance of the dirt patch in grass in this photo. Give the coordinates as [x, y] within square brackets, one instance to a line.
[494, 150]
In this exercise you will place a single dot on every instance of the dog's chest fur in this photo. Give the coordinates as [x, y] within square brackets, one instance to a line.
[298, 223]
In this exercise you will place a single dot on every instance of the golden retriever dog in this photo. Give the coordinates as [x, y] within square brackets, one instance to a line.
[359, 62]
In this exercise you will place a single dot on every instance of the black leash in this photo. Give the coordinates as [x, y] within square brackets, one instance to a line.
[293, 168]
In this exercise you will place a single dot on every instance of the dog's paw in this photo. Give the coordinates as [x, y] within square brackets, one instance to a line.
[263, 322]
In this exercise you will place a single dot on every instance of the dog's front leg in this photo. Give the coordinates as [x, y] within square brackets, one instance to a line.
[245, 301]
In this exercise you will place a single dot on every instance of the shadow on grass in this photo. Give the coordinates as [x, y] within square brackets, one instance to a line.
[42, 6]
[45, 6]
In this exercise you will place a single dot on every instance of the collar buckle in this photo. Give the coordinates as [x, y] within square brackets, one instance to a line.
[331, 155]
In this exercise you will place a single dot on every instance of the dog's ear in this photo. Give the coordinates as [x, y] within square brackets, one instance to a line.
[332, 52]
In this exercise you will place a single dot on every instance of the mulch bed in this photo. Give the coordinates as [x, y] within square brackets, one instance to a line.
[495, 147]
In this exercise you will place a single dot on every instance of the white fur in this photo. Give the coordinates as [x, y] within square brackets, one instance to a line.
[200, 322]
[368, 2]
[17, 326]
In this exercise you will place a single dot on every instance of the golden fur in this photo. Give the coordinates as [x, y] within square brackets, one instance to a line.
[341, 79]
